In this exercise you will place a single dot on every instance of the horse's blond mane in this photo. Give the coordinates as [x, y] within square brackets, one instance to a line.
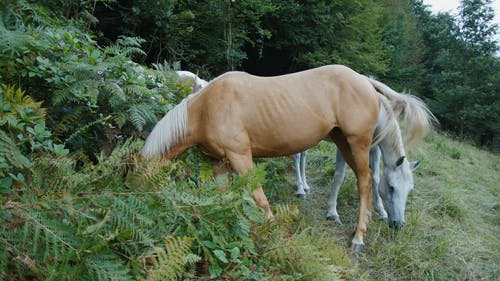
[169, 131]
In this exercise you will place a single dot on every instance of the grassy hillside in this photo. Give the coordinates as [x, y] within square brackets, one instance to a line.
[453, 215]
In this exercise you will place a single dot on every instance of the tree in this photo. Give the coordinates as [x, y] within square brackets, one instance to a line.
[462, 79]
[405, 44]
[204, 36]
[306, 34]
[477, 30]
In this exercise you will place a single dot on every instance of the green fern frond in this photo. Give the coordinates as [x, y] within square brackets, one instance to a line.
[11, 153]
[128, 41]
[159, 173]
[67, 122]
[17, 105]
[108, 267]
[135, 90]
[140, 114]
[286, 213]
[46, 239]
[168, 262]
[60, 96]
[84, 129]
[57, 174]
[120, 118]
[115, 92]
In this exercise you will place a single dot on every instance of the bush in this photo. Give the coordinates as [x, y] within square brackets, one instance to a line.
[94, 95]
[23, 136]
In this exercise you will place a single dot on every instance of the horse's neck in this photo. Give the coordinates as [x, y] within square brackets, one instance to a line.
[391, 144]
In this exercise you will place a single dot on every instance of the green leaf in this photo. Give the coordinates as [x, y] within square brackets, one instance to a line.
[5, 185]
[209, 244]
[214, 270]
[59, 150]
[235, 253]
[221, 256]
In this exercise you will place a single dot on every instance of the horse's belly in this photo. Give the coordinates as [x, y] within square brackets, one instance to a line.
[281, 141]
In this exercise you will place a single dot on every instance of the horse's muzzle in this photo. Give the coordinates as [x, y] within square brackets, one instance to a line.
[396, 225]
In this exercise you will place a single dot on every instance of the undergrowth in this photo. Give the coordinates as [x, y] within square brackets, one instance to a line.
[125, 218]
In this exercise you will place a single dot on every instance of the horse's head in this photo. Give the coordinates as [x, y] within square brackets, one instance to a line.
[394, 187]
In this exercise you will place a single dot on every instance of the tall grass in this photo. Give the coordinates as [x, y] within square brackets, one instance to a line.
[453, 215]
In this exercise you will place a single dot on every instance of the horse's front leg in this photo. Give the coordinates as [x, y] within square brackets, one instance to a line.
[375, 155]
[242, 163]
[355, 151]
[360, 147]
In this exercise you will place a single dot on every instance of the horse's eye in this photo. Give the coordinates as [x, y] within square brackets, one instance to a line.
[391, 189]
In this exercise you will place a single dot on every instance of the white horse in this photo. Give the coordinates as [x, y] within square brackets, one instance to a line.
[192, 80]
[338, 178]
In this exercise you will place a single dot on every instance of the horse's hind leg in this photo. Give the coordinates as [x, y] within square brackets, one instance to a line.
[338, 179]
[300, 183]
[242, 163]
[303, 156]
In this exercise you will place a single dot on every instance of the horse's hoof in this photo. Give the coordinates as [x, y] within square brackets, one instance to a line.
[357, 247]
[302, 196]
[334, 218]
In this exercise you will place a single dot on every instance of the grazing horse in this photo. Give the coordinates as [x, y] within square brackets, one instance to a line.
[338, 178]
[238, 116]
[192, 80]
[299, 160]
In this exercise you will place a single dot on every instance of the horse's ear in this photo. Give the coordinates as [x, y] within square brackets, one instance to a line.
[400, 161]
[414, 164]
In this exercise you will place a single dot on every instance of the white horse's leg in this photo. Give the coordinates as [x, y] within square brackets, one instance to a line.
[300, 184]
[306, 187]
[338, 179]
[375, 154]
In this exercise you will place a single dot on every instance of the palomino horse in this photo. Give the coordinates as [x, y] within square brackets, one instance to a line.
[238, 116]
[338, 178]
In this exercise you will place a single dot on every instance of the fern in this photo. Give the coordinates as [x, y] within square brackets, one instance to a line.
[108, 267]
[286, 213]
[15, 106]
[86, 127]
[168, 262]
[116, 94]
[142, 114]
[51, 174]
[10, 154]
[66, 123]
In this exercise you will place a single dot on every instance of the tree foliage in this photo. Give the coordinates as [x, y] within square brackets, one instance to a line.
[461, 78]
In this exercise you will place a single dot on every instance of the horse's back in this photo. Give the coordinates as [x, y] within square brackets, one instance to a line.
[285, 114]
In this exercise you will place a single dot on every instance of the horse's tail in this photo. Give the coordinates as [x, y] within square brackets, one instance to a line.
[170, 131]
[410, 109]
